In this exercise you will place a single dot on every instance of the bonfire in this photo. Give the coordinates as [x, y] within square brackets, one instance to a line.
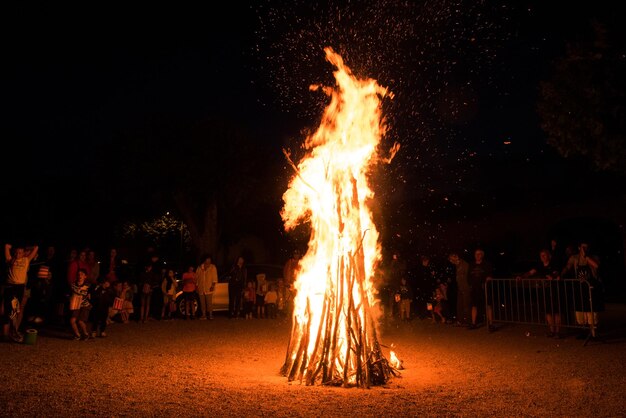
[335, 338]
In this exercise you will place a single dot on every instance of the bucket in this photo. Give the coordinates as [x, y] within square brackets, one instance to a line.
[30, 337]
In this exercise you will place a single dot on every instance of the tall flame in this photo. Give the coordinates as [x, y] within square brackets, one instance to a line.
[335, 313]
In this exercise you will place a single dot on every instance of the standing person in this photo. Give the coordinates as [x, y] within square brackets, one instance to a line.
[584, 267]
[77, 264]
[463, 299]
[397, 270]
[440, 305]
[112, 267]
[405, 296]
[547, 270]
[168, 288]
[480, 272]
[80, 306]
[206, 276]
[128, 294]
[158, 269]
[581, 263]
[238, 276]
[249, 298]
[148, 281]
[424, 280]
[261, 290]
[269, 302]
[18, 264]
[189, 291]
[102, 300]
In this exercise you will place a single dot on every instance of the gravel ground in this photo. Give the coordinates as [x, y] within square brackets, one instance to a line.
[230, 368]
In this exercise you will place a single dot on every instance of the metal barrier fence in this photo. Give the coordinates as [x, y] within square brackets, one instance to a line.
[557, 304]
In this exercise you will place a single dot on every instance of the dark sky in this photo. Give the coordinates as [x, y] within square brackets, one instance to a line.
[465, 75]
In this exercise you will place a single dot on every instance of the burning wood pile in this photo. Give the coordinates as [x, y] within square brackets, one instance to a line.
[334, 339]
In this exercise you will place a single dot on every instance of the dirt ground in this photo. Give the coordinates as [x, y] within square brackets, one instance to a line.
[230, 367]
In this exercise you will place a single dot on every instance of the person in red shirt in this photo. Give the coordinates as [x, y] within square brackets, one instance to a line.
[74, 266]
[249, 298]
[189, 291]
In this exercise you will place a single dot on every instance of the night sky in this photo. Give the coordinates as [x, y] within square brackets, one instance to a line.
[82, 85]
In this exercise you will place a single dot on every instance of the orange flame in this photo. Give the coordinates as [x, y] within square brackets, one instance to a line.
[395, 361]
[331, 191]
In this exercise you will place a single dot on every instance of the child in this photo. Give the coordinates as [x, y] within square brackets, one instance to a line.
[189, 291]
[128, 296]
[80, 306]
[271, 297]
[102, 299]
[122, 306]
[168, 287]
[440, 308]
[261, 290]
[249, 297]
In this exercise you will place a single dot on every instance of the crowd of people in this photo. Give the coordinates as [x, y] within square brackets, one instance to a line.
[454, 292]
[86, 294]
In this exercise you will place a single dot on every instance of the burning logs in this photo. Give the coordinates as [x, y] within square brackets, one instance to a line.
[345, 349]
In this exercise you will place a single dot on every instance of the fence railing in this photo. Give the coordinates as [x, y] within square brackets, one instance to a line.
[558, 304]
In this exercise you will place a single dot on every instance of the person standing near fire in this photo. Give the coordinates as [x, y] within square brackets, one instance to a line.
[397, 271]
[424, 279]
[463, 297]
[440, 303]
[480, 272]
[404, 297]
[206, 276]
[238, 276]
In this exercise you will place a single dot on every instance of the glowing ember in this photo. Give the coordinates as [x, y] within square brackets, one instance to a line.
[334, 337]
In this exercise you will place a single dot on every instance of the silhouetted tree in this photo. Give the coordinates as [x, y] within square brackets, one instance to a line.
[210, 170]
[582, 106]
